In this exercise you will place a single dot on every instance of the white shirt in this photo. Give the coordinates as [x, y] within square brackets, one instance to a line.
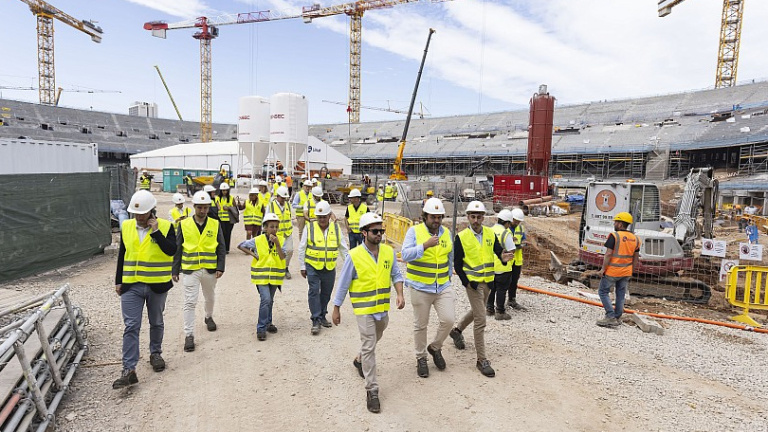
[343, 248]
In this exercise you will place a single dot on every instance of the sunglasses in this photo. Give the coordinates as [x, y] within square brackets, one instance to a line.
[376, 231]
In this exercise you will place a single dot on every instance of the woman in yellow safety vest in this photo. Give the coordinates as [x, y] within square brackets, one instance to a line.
[178, 212]
[268, 269]
[355, 210]
[253, 211]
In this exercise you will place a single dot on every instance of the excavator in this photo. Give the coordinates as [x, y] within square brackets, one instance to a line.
[666, 261]
[397, 167]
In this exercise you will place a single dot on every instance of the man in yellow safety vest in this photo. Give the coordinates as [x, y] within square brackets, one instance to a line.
[428, 250]
[299, 200]
[279, 206]
[474, 249]
[200, 256]
[355, 210]
[621, 255]
[253, 213]
[309, 205]
[521, 244]
[368, 276]
[143, 277]
[503, 273]
[320, 247]
[267, 270]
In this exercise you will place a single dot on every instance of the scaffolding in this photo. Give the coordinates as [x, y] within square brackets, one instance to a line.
[753, 158]
[604, 165]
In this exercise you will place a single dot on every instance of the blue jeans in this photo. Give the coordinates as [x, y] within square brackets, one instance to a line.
[355, 239]
[132, 303]
[320, 290]
[267, 294]
[606, 283]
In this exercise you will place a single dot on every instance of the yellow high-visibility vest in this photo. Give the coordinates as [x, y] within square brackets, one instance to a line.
[354, 216]
[389, 192]
[321, 251]
[176, 214]
[145, 182]
[303, 197]
[269, 269]
[519, 233]
[502, 234]
[433, 265]
[478, 258]
[286, 227]
[199, 249]
[311, 204]
[144, 261]
[253, 214]
[369, 293]
[221, 202]
[380, 195]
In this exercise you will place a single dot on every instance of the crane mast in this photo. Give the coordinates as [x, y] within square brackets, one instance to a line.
[46, 71]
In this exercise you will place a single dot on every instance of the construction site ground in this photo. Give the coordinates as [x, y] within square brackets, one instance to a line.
[555, 370]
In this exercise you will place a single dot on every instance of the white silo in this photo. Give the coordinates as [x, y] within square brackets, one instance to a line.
[253, 130]
[288, 127]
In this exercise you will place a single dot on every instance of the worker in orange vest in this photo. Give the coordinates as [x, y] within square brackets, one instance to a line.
[621, 252]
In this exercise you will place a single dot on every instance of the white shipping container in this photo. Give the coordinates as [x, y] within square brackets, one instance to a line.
[25, 156]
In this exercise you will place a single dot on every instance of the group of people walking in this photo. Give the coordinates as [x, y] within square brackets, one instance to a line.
[192, 248]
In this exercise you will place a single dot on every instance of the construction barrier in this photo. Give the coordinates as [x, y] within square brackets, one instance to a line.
[746, 288]
[396, 227]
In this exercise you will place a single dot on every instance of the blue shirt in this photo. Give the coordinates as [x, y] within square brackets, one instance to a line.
[412, 251]
[348, 274]
[752, 233]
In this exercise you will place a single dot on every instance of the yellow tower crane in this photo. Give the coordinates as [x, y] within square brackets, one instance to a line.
[730, 39]
[208, 29]
[45, 14]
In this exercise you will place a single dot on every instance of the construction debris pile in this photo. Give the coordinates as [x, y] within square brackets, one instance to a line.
[43, 342]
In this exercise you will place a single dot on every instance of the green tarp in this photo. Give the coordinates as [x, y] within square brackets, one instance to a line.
[51, 220]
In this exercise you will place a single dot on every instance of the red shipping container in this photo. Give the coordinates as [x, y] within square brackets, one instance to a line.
[511, 189]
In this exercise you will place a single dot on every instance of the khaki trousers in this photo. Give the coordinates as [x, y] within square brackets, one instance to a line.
[192, 283]
[300, 222]
[371, 331]
[444, 304]
[477, 300]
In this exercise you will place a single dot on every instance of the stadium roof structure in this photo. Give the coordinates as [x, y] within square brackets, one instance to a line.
[683, 121]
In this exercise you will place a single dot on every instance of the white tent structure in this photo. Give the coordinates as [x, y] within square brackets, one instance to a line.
[209, 156]
[196, 156]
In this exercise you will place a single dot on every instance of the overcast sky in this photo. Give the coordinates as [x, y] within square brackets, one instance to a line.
[486, 55]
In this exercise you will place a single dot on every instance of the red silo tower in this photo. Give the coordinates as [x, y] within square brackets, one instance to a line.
[540, 132]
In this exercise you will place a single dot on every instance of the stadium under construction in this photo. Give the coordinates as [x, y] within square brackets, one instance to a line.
[653, 137]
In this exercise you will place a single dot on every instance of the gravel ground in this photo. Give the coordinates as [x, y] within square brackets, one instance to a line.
[556, 370]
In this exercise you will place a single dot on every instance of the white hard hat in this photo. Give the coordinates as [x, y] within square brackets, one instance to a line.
[209, 188]
[253, 191]
[366, 175]
[316, 176]
[279, 178]
[283, 192]
[314, 181]
[434, 206]
[223, 186]
[518, 214]
[317, 191]
[270, 217]
[355, 193]
[505, 215]
[142, 202]
[307, 183]
[263, 183]
[201, 197]
[303, 176]
[178, 198]
[369, 219]
[323, 208]
[475, 207]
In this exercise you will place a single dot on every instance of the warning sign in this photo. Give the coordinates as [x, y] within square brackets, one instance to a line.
[726, 265]
[713, 247]
[750, 252]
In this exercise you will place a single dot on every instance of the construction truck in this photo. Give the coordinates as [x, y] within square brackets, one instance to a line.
[666, 261]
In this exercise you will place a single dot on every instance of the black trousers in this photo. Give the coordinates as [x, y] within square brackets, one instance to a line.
[226, 228]
[516, 270]
[499, 288]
